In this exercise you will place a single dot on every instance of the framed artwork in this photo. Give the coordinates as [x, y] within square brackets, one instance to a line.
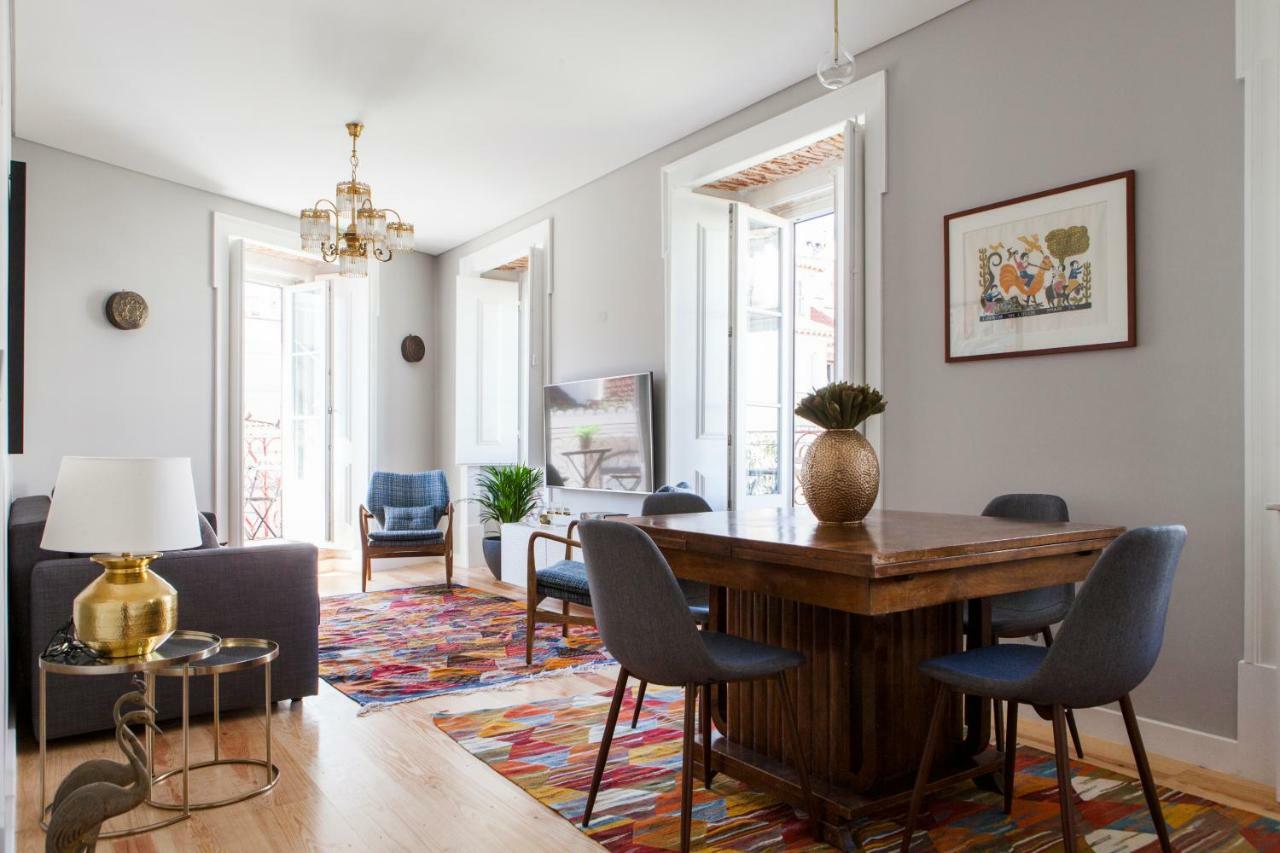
[1044, 273]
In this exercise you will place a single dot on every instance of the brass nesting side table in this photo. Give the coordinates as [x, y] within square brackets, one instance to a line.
[175, 655]
[236, 654]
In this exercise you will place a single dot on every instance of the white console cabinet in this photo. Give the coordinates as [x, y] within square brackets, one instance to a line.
[515, 549]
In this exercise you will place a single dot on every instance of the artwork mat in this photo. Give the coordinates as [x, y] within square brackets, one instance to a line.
[1113, 314]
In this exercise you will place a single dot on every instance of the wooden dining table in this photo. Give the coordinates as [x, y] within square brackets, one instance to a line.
[865, 603]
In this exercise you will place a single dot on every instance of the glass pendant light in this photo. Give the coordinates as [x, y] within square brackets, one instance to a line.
[835, 69]
[353, 261]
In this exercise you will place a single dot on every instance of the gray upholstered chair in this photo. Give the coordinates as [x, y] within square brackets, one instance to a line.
[1107, 645]
[1030, 613]
[645, 623]
[677, 500]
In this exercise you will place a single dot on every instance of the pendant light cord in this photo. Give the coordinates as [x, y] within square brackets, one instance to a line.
[835, 38]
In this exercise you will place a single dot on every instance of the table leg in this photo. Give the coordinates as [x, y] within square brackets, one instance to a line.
[43, 723]
[217, 721]
[186, 739]
[150, 689]
[977, 710]
[267, 691]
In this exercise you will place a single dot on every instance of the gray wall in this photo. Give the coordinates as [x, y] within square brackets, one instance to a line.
[93, 229]
[995, 99]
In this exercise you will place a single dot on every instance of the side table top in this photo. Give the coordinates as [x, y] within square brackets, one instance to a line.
[184, 647]
[236, 653]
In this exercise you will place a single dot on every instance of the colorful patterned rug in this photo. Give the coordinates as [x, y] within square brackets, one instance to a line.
[549, 749]
[381, 648]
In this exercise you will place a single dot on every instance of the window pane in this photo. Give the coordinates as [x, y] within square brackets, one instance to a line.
[761, 355]
[761, 431]
[262, 402]
[764, 267]
[815, 321]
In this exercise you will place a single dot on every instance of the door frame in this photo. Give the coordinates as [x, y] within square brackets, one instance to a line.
[536, 298]
[863, 102]
[230, 235]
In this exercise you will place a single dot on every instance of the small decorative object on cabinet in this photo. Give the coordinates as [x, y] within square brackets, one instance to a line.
[1043, 273]
[840, 473]
[127, 310]
[507, 494]
[412, 349]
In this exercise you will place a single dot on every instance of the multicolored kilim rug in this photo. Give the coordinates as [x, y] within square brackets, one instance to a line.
[549, 749]
[380, 648]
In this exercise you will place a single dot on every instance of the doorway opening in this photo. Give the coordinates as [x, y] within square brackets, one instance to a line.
[785, 307]
[304, 384]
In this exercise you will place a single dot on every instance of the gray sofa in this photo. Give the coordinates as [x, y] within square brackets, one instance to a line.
[267, 591]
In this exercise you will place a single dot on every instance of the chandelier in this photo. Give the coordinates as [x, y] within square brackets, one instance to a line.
[366, 234]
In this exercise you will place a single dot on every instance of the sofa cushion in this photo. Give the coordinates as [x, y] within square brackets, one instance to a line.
[419, 518]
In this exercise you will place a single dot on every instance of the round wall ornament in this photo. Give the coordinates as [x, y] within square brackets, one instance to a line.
[127, 310]
[412, 348]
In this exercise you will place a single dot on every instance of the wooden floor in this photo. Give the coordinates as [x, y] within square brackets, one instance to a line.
[392, 781]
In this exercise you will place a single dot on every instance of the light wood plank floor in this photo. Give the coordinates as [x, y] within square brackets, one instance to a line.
[392, 781]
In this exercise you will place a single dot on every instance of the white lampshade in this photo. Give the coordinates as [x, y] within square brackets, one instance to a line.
[122, 506]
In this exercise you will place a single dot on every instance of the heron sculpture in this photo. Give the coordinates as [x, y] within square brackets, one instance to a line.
[78, 817]
[104, 769]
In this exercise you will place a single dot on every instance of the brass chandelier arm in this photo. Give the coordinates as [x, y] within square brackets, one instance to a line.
[381, 254]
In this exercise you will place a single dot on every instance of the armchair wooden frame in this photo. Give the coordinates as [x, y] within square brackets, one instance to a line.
[370, 551]
[534, 614]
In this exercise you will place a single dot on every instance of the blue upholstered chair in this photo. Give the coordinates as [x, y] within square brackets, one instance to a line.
[1030, 613]
[646, 625]
[1106, 647]
[408, 509]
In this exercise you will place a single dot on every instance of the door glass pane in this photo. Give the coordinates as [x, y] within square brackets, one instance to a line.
[263, 408]
[815, 321]
[761, 355]
[764, 267]
[763, 426]
[305, 510]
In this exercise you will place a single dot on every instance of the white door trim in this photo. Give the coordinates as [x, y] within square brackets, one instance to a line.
[1258, 690]
[864, 101]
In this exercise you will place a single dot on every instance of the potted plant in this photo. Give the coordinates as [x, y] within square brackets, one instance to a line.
[840, 473]
[507, 494]
[585, 434]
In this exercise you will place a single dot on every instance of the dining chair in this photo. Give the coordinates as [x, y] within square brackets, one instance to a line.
[1106, 647]
[1030, 613]
[646, 625]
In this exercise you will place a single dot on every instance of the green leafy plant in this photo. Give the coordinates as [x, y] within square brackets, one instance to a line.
[841, 405]
[507, 492]
[589, 431]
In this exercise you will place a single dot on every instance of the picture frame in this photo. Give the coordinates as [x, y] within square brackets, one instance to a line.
[1045, 273]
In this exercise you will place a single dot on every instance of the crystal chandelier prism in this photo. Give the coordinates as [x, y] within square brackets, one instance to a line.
[366, 234]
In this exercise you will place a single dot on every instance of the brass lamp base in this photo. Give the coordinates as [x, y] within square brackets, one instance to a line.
[129, 610]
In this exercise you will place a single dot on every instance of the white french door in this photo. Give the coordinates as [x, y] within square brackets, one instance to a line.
[305, 375]
[762, 279]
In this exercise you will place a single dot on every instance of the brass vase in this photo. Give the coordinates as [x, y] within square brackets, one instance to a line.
[128, 610]
[840, 476]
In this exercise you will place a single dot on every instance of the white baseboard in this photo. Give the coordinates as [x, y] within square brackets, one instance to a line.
[1250, 756]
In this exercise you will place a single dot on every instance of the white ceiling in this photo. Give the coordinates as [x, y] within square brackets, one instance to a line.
[475, 112]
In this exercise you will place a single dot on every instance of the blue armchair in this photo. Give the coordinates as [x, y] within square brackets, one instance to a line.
[408, 509]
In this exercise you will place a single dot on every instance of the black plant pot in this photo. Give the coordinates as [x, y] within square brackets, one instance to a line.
[493, 555]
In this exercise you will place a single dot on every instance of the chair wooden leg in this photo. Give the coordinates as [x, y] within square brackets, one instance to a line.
[686, 769]
[1047, 634]
[602, 757]
[704, 723]
[1144, 772]
[1062, 758]
[998, 706]
[797, 749]
[530, 622]
[926, 765]
[635, 717]
[564, 626]
[1010, 755]
[448, 568]
[366, 572]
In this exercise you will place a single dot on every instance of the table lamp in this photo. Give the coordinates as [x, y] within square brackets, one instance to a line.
[128, 509]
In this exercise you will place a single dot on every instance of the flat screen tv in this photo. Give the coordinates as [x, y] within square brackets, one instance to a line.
[599, 433]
